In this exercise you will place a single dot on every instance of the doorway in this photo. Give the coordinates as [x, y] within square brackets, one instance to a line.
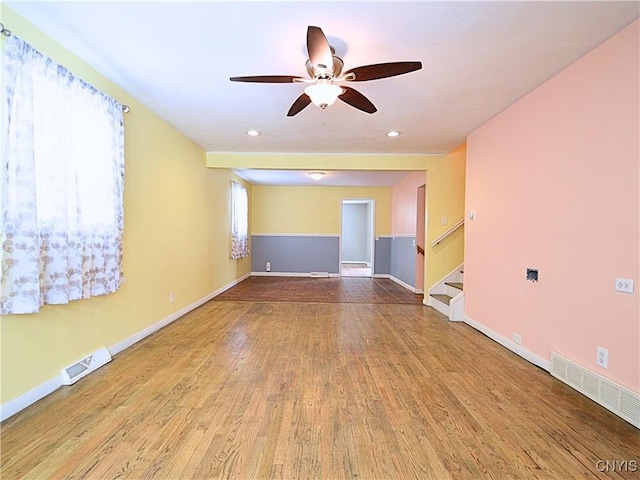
[420, 237]
[357, 238]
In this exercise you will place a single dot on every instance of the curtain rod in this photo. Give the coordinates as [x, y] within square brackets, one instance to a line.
[7, 33]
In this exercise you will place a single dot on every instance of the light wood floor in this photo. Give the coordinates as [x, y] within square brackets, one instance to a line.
[326, 390]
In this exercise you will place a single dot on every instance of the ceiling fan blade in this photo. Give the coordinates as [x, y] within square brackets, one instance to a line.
[319, 48]
[267, 79]
[301, 102]
[357, 100]
[382, 70]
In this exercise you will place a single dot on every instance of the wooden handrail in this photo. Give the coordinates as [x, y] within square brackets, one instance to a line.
[453, 228]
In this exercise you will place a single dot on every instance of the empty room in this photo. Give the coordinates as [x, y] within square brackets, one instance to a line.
[298, 239]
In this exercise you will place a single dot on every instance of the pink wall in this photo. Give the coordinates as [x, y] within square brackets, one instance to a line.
[554, 181]
[404, 203]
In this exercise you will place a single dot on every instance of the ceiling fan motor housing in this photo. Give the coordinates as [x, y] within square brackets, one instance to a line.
[323, 73]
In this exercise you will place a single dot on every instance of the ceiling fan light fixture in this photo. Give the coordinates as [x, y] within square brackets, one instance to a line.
[324, 68]
[316, 175]
[323, 94]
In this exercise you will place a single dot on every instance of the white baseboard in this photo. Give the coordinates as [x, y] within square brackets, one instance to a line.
[26, 399]
[613, 396]
[398, 281]
[291, 274]
[135, 338]
[32, 396]
[509, 344]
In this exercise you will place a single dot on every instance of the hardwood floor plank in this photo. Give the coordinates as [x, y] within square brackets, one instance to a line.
[239, 389]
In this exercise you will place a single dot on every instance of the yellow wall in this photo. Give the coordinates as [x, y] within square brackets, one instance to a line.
[445, 198]
[176, 239]
[312, 210]
[316, 210]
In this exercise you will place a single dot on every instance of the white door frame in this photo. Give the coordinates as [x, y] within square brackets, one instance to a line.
[372, 226]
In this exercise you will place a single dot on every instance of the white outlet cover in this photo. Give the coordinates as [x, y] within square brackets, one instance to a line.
[602, 359]
[624, 285]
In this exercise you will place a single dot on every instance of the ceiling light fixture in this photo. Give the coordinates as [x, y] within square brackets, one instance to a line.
[316, 175]
[253, 133]
[324, 93]
[393, 133]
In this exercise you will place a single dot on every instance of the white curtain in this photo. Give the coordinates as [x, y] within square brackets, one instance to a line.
[62, 185]
[239, 221]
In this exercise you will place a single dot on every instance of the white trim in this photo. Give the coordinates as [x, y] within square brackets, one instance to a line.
[371, 221]
[127, 342]
[291, 274]
[418, 156]
[403, 235]
[613, 396]
[26, 399]
[398, 281]
[295, 235]
[456, 308]
[445, 278]
[509, 344]
[402, 284]
[29, 398]
[439, 306]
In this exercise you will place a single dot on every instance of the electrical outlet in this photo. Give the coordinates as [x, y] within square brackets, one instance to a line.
[517, 338]
[602, 359]
[624, 285]
[172, 297]
[268, 267]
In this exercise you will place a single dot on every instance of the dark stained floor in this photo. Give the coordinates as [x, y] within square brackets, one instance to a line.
[320, 290]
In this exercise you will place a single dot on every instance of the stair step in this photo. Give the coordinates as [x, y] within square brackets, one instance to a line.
[446, 299]
[457, 285]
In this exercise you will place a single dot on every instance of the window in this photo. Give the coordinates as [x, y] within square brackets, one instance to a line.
[239, 221]
[62, 185]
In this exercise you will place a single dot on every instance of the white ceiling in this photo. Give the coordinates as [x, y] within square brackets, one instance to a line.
[478, 58]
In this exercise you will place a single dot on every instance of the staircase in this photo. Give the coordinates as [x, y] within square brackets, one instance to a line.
[447, 296]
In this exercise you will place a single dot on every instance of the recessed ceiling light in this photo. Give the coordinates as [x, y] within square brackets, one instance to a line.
[316, 175]
[253, 133]
[393, 133]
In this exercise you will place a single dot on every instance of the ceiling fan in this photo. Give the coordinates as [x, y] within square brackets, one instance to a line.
[325, 72]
